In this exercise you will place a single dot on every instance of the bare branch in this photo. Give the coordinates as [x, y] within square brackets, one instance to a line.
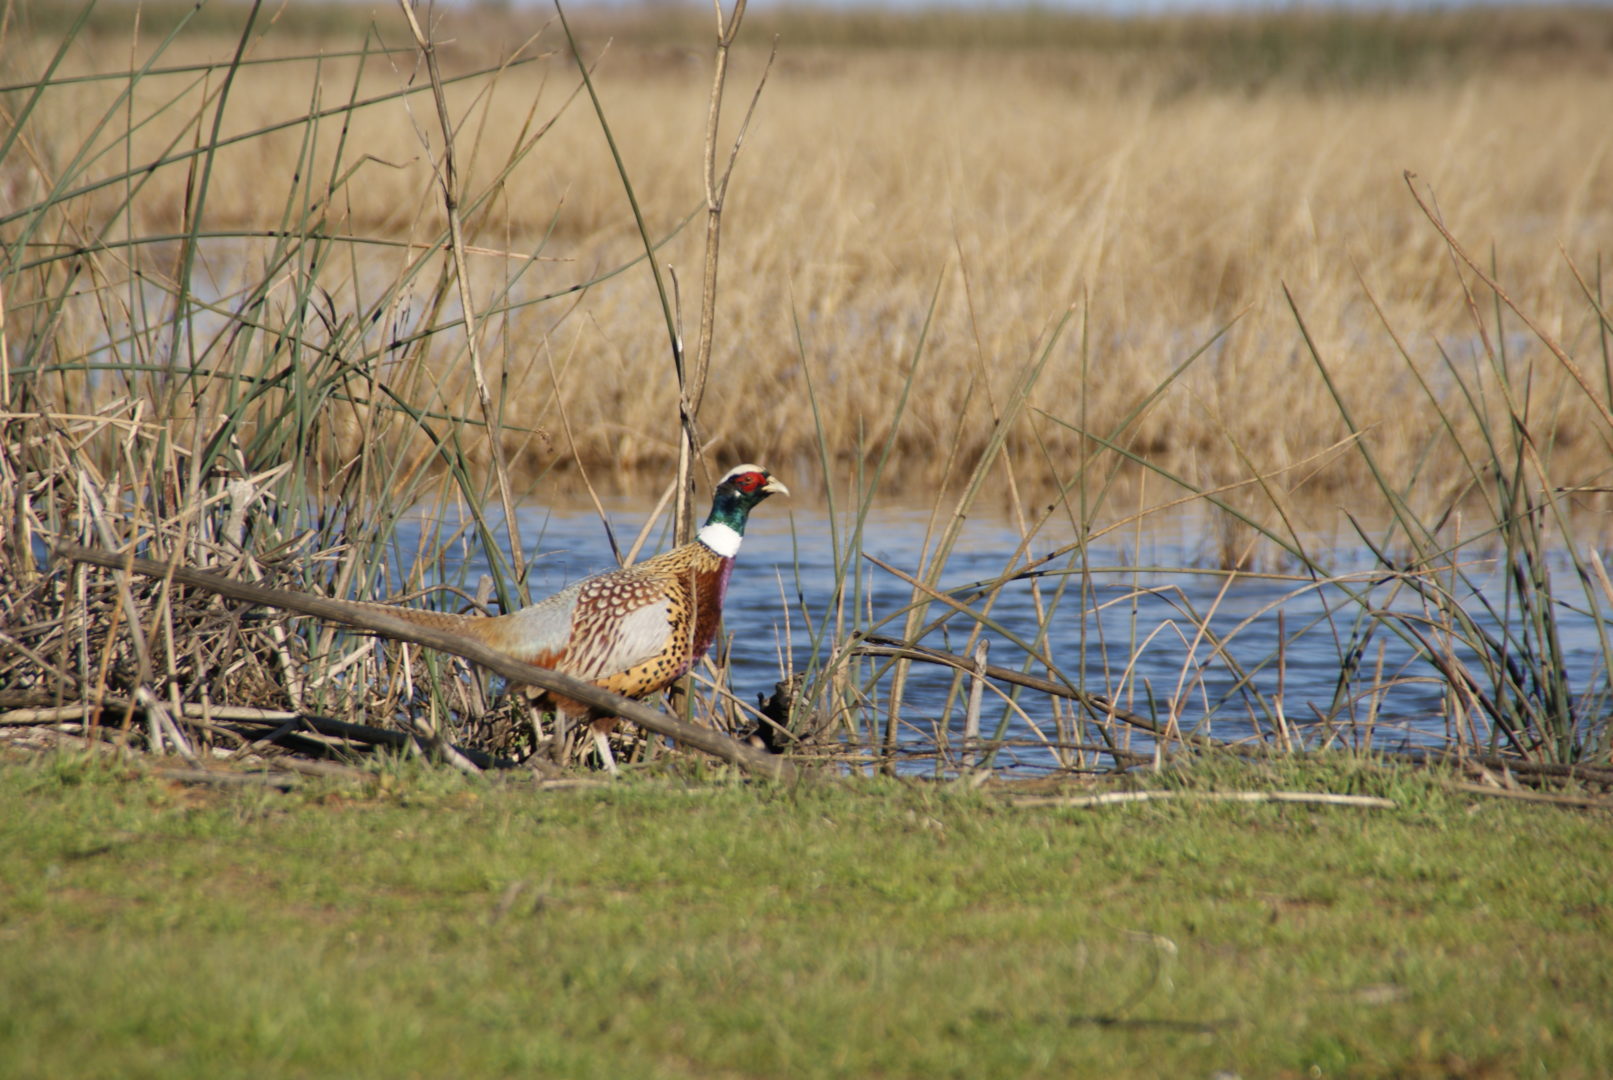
[378, 621]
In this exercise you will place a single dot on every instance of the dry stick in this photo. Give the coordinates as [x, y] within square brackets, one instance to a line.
[1601, 574]
[41, 714]
[904, 650]
[1284, 736]
[243, 492]
[1376, 703]
[1112, 798]
[379, 621]
[163, 723]
[1549, 798]
[160, 725]
[1490, 283]
[62, 676]
[5, 354]
[21, 553]
[374, 736]
[447, 177]
[971, 715]
[284, 722]
[1542, 770]
[692, 388]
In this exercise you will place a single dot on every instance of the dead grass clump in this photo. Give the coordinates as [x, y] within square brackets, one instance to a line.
[132, 660]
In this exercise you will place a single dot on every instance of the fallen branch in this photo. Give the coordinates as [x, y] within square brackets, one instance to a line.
[1589, 802]
[1521, 769]
[1112, 798]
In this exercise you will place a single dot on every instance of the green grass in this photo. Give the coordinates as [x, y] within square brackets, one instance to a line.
[432, 926]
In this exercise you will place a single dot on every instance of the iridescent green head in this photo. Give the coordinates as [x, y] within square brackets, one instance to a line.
[738, 492]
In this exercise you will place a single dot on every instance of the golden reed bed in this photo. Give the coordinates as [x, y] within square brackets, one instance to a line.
[1158, 190]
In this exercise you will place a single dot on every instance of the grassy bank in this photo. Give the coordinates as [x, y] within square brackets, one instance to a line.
[420, 924]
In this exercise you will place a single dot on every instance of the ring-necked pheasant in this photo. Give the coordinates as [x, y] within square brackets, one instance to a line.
[634, 630]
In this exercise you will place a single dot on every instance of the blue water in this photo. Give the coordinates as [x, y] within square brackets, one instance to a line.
[1169, 643]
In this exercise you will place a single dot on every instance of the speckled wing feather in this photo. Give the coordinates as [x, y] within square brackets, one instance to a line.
[621, 620]
[593, 629]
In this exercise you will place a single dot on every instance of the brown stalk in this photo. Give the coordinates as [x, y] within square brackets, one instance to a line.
[448, 180]
[5, 354]
[1545, 339]
[693, 389]
[1112, 798]
[971, 715]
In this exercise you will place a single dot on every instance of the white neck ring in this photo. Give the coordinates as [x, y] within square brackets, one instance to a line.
[720, 538]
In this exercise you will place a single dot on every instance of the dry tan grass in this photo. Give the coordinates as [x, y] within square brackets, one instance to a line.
[907, 225]
[1012, 187]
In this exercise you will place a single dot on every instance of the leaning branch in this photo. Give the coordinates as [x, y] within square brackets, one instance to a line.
[750, 759]
[1113, 798]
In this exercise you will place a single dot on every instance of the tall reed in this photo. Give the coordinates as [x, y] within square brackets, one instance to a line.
[277, 402]
[1170, 210]
[1467, 594]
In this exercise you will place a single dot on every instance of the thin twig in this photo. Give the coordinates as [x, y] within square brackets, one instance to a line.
[1551, 798]
[971, 715]
[1115, 798]
[1490, 283]
[448, 180]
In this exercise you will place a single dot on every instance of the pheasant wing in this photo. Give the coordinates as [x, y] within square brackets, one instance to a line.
[597, 628]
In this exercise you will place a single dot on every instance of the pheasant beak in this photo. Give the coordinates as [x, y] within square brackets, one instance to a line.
[774, 486]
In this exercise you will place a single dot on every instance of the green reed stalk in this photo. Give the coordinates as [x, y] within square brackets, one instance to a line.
[1507, 622]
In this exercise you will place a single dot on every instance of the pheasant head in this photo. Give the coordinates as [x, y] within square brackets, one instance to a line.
[738, 492]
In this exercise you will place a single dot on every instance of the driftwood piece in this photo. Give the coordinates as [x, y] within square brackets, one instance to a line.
[752, 760]
[287, 723]
[1113, 798]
